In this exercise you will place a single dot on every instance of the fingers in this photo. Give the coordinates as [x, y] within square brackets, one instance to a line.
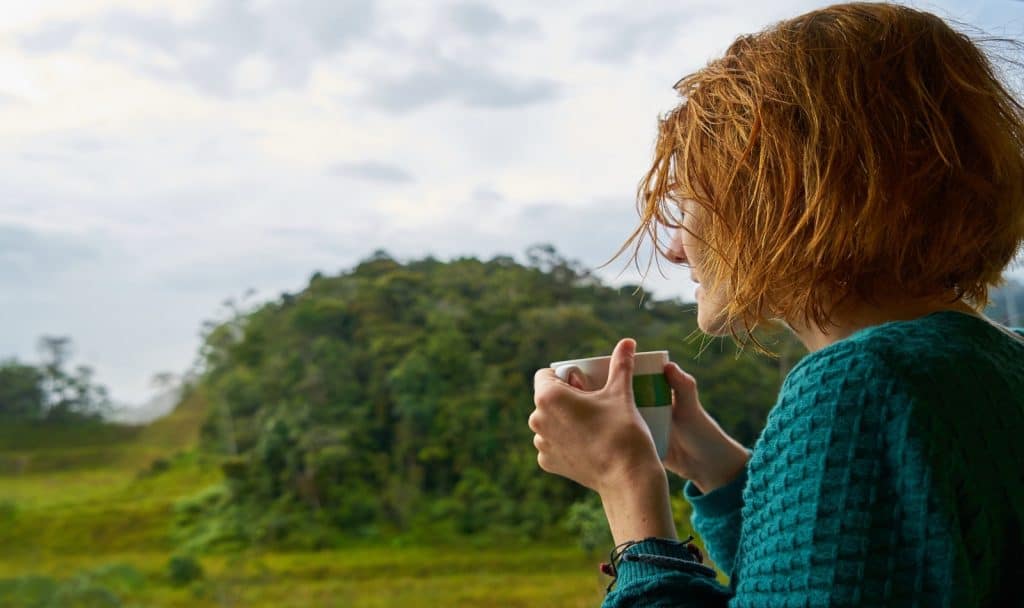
[679, 380]
[548, 388]
[544, 377]
[685, 403]
[545, 387]
[543, 458]
[620, 370]
[535, 421]
[539, 443]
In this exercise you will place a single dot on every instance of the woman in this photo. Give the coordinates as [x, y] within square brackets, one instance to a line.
[858, 174]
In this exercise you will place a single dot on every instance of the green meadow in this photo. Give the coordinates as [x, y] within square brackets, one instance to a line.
[84, 521]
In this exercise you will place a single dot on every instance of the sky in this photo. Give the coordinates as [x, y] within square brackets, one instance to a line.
[160, 156]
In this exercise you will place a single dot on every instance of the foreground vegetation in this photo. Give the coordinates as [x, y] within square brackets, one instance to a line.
[86, 519]
[358, 578]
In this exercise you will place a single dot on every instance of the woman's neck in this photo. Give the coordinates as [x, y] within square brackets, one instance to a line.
[852, 317]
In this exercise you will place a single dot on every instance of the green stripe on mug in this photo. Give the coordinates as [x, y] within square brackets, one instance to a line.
[651, 390]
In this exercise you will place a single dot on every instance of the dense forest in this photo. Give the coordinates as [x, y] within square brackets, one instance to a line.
[394, 397]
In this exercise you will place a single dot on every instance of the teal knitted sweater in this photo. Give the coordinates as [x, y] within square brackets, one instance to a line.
[890, 472]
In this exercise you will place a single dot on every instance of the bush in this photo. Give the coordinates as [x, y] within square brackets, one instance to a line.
[207, 521]
[156, 467]
[8, 510]
[95, 588]
[478, 501]
[585, 520]
[81, 594]
[235, 468]
[159, 465]
[28, 591]
[119, 578]
[183, 569]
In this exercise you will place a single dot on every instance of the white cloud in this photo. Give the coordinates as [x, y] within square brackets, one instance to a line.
[208, 49]
[373, 171]
[439, 79]
[158, 156]
[479, 19]
[32, 257]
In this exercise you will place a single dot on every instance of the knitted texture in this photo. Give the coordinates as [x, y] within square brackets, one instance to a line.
[717, 517]
[889, 473]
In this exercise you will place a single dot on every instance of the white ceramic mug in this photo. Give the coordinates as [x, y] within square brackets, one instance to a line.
[650, 388]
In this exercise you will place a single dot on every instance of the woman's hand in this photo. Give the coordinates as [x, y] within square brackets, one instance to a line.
[698, 449]
[595, 438]
[598, 439]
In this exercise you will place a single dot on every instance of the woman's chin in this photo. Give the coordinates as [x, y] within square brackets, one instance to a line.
[711, 325]
[709, 314]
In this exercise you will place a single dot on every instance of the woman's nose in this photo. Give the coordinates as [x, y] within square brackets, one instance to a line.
[675, 253]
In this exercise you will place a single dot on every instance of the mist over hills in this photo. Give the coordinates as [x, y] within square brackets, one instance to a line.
[156, 407]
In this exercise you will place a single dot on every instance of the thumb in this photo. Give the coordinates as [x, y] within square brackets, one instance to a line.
[620, 369]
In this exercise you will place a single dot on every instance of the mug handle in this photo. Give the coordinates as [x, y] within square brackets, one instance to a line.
[563, 371]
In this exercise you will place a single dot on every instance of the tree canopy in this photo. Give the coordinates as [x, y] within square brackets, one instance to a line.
[396, 394]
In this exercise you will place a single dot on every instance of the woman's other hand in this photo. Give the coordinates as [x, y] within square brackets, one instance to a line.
[698, 449]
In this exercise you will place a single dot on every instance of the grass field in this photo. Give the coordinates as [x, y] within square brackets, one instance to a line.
[85, 521]
[367, 577]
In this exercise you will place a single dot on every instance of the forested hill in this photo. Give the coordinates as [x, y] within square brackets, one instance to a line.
[396, 395]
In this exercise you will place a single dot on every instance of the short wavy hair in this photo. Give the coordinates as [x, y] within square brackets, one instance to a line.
[854, 150]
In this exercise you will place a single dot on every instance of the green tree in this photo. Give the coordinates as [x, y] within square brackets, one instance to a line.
[21, 391]
[49, 391]
[395, 394]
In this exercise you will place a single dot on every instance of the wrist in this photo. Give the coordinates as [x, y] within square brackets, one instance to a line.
[728, 466]
[639, 507]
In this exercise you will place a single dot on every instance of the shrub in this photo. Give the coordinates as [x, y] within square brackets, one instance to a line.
[28, 591]
[585, 520]
[96, 588]
[183, 569]
[8, 510]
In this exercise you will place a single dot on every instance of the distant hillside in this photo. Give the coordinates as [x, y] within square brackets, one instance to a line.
[396, 394]
[37, 446]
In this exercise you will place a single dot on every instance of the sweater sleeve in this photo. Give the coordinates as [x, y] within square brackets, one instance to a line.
[660, 573]
[819, 499]
[717, 518]
[663, 573]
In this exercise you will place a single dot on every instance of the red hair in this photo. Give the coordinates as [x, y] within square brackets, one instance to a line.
[856, 150]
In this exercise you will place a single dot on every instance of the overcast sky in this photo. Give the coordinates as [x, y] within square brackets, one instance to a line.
[159, 156]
